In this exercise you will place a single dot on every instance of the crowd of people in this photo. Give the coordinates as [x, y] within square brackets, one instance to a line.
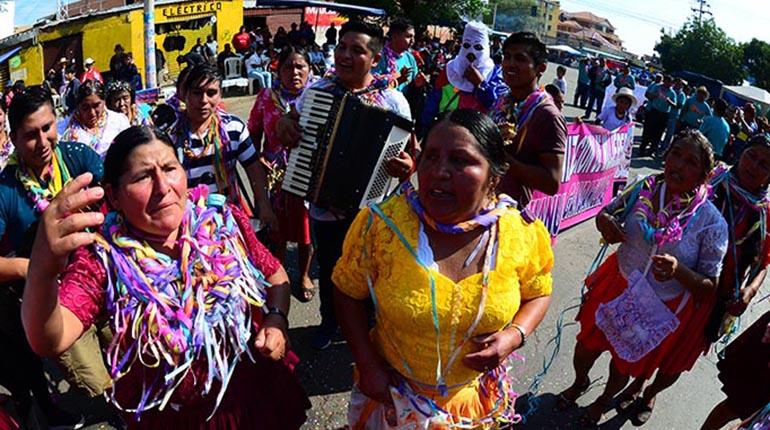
[130, 259]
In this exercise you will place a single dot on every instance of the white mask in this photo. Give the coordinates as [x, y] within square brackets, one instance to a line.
[474, 50]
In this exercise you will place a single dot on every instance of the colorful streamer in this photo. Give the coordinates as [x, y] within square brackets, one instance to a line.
[168, 313]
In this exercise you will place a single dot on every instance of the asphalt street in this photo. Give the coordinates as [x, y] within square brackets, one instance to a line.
[326, 375]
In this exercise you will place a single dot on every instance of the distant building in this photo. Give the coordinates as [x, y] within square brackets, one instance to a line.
[82, 7]
[538, 16]
[548, 16]
[584, 29]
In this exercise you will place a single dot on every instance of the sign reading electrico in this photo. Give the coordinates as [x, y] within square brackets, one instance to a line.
[191, 8]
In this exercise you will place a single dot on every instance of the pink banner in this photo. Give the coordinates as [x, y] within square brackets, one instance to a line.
[595, 160]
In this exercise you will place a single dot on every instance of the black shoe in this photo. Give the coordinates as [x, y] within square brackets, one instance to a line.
[58, 418]
[322, 338]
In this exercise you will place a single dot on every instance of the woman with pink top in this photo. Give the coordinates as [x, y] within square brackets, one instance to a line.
[285, 215]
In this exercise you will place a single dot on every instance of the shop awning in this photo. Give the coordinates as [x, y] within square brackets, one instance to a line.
[603, 54]
[8, 54]
[341, 7]
[565, 48]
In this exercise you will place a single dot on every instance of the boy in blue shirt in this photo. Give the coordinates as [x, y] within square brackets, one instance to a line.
[583, 85]
[38, 170]
[397, 60]
[716, 129]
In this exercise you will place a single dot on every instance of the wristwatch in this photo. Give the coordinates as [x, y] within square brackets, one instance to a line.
[522, 331]
[272, 310]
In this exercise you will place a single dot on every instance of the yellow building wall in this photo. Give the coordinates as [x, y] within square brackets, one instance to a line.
[100, 36]
[554, 20]
[31, 67]
[102, 33]
[229, 19]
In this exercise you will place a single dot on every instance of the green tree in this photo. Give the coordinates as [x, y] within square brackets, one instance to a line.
[756, 60]
[429, 12]
[702, 47]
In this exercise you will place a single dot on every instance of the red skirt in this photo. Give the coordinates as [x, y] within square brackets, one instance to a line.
[262, 395]
[293, 219]
[676, 354]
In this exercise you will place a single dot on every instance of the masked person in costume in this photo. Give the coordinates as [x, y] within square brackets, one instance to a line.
[534, 130]
[458, 278]
[645, 304]
[197, 306]
[471, 80]
[36, 172]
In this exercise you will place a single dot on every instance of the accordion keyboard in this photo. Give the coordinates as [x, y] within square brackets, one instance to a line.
[316, 109]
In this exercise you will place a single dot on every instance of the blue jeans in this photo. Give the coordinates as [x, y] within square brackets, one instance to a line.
[265, 79]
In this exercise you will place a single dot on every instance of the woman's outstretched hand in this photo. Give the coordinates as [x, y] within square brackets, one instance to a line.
[63, 225]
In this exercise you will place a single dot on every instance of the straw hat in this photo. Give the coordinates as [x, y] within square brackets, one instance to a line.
[625, 92]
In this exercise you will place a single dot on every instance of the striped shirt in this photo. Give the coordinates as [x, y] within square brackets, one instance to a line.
[201, 170]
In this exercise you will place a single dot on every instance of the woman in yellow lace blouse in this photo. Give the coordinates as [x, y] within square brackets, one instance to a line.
[458, 277]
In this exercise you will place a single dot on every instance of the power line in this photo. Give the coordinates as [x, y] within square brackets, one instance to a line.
[703, 7]
[625, 12]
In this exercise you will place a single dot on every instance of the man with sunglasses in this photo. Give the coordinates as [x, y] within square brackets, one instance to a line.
[470, 80]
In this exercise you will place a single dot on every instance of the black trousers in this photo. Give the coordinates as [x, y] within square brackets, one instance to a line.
[21, 370]
[596, 97]
[655, 123]
[328, 237]
[581, 95]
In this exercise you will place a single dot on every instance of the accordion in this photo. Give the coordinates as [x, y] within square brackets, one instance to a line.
[340, 161]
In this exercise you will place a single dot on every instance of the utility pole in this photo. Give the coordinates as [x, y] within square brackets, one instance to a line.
[494, 16]
[62, 11]
[150, 72]
[704, 8]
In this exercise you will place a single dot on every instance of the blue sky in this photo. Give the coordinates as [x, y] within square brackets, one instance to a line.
[638, 22]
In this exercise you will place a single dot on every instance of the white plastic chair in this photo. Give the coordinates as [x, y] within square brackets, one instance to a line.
[234, 75]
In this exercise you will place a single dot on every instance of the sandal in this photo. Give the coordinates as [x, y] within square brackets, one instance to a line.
[563, 402]
[625, 403]
[643, 412]
[307, 292]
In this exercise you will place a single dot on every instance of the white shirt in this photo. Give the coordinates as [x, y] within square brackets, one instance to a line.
[256, 62]
[610, 120]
